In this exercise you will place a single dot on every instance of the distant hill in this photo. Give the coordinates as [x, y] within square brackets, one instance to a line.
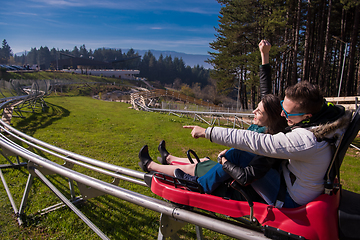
[189, 59]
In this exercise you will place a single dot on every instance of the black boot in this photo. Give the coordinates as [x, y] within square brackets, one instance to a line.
[163, 152]
[145, 158]
[180, 174]
[188, 180]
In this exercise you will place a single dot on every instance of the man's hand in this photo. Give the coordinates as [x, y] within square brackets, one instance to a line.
[197, 131]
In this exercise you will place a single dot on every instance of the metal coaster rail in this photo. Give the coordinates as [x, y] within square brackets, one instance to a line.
[142, 100]
[172, 218]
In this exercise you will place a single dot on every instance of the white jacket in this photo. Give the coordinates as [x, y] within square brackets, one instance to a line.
[308, 158]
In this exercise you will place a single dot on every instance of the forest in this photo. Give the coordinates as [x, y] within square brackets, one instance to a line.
[312, 40]
[164, 70]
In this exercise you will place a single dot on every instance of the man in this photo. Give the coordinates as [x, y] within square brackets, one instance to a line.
[312, 122]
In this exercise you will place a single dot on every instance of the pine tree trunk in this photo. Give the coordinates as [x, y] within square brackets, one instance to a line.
[358, 79]
[341, 52]
[350, 74]
[296, 45]
[282, 68]
[253, 104]
[332, 87]
[244, 92]
[242, 86]
[319, 45]
[323, 75]
[305, 72]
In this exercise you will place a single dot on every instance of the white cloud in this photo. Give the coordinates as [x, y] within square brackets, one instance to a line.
[200, 7]
[64, 24]
[24, 13]
[63, 3]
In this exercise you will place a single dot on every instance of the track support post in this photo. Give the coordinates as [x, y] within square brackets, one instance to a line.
[169, 227]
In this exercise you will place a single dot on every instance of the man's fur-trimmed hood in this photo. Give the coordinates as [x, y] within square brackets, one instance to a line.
[330, 129]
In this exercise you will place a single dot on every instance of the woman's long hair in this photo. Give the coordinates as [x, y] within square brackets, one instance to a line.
[272, 107]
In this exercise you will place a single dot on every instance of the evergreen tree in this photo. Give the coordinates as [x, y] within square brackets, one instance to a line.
[44, 57]
[32, 56]
[301, 33]
[5, 52]
[76, 52]
[83, 52]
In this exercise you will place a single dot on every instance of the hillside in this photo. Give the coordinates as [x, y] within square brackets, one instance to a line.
[57, 75]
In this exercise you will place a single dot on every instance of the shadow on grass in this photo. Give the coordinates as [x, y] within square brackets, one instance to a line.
[36, 121]
[356, 141]
[116, 218]
[123, 220]
[120, 219]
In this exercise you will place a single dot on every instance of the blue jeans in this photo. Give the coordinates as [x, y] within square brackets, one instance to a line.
[267, 187]
[213, 178]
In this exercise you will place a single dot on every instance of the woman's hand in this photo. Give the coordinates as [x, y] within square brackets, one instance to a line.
[197, 131]
[221, 157]
[264, 47]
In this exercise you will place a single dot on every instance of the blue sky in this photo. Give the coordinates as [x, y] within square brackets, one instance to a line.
[169, 25]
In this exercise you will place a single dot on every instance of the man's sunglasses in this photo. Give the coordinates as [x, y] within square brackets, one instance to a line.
[290, 114]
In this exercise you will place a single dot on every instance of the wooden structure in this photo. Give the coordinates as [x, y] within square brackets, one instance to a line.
[350, 103]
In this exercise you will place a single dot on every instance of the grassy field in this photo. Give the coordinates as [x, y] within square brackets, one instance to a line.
[57, 75]
[113, 133]
[107, 131]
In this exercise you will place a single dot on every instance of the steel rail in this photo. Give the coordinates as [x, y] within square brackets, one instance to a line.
[12, 202]
[69, 204]
[37, 164]
[137, 100]
[108, 166]
[82, 164]
[133, 197]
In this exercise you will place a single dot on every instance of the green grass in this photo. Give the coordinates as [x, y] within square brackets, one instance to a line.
[110, 132]
[350, 169]
[43, 75]
[113, 133]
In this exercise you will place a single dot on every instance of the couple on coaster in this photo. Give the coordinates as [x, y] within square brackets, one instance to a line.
[292, 136]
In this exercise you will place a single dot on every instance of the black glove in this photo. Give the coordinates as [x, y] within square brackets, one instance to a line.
[256, 169]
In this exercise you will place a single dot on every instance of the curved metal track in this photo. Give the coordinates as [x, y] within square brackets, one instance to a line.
[39, 166]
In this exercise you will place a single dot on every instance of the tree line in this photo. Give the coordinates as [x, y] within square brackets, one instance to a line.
[310, 39]
[165, 70]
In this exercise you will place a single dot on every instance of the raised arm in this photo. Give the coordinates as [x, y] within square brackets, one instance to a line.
[265, 70]
[264, 47]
